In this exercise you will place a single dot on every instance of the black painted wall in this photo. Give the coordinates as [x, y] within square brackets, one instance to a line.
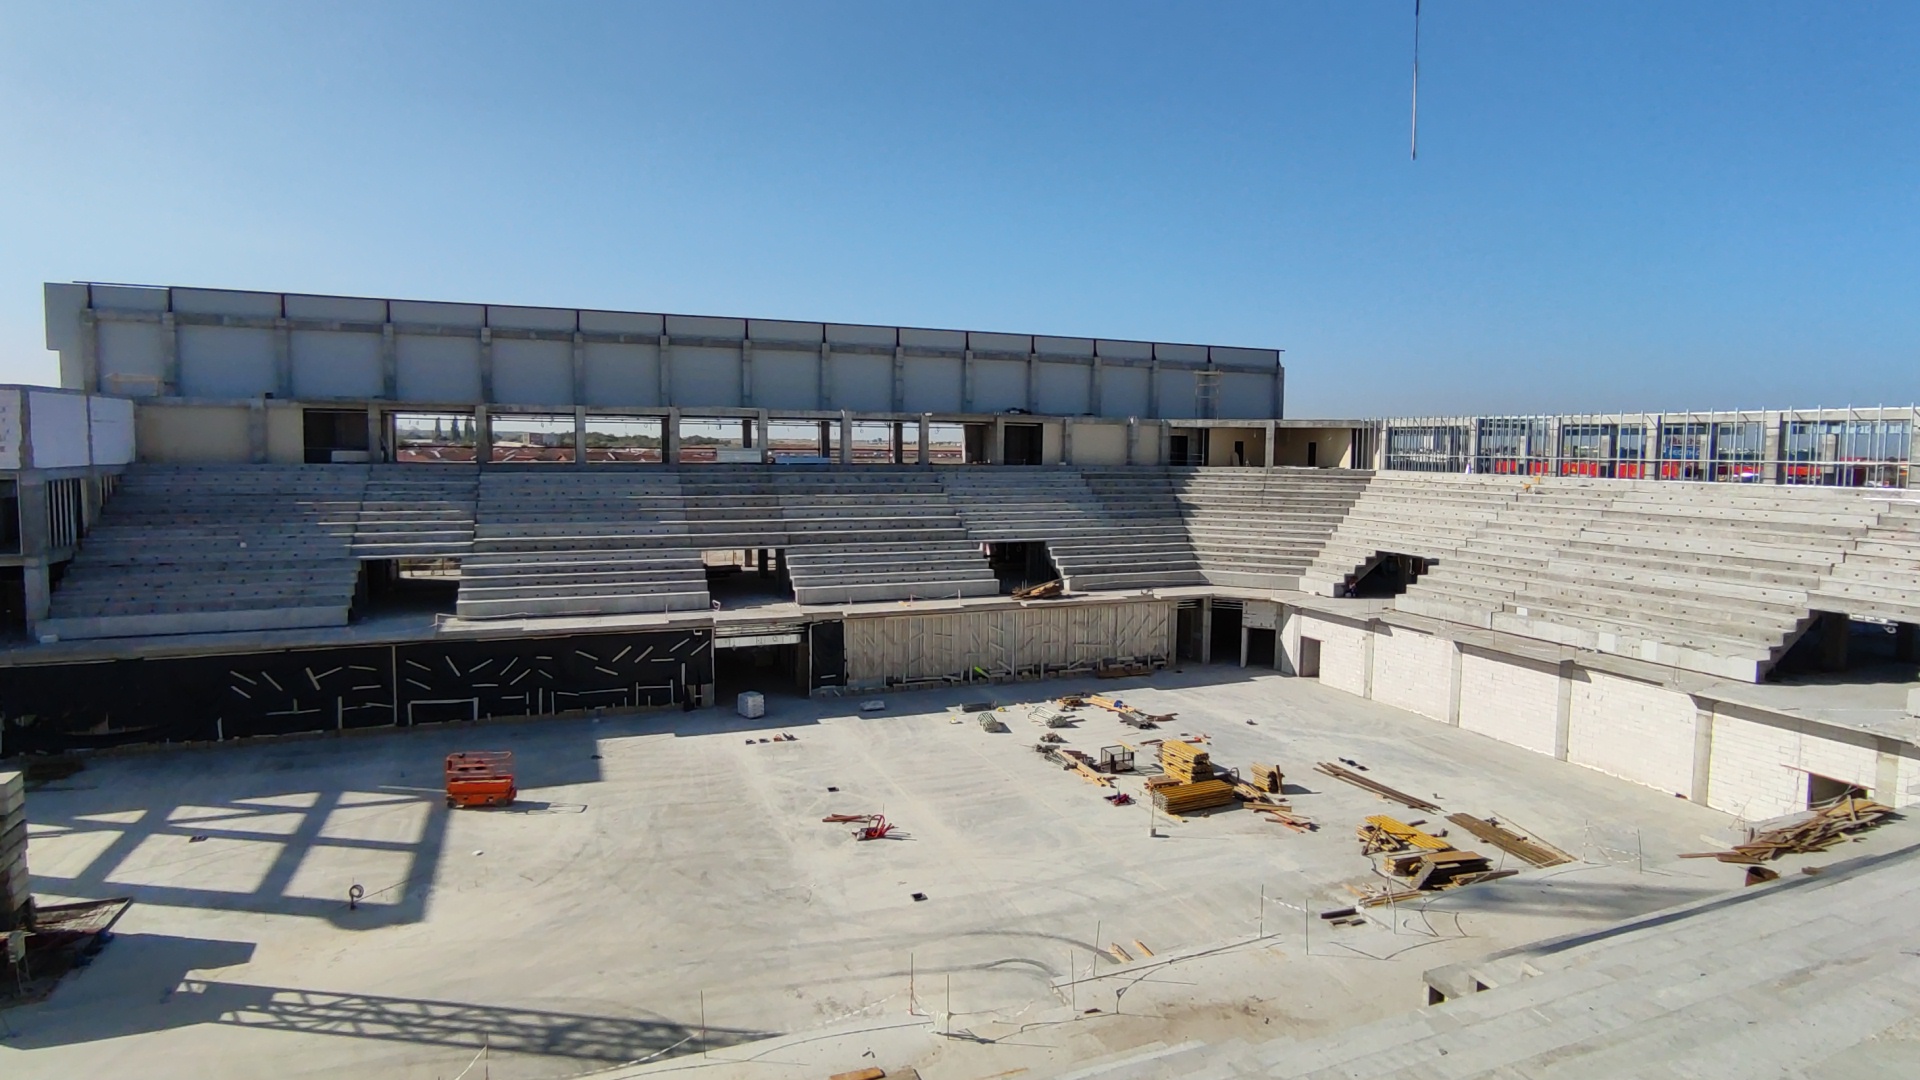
[57, 707]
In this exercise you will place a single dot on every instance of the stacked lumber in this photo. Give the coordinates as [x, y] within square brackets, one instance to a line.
[1380, 833]
[1186, 762]
[1041, 591]
[1186, 798]
[1532, 851]
[1129, 715]
[1412, 802]
[1822, 829]
[1429, 871]
[1155, 783]
[1284, 815]
[1266, 777]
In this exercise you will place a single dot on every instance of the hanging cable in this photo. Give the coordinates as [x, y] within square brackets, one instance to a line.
[1414, 144]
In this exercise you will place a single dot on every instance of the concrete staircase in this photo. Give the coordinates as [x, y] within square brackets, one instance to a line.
[417, 512]
[1145, 544]
[1879, 575]
[1262, 528]
[563, 541]
[1425, 515]
[876, 534]
[184, 549]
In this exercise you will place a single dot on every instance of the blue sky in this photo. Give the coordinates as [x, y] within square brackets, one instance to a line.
[1617, 205]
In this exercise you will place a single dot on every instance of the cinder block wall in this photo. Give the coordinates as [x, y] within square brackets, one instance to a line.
[1747, 762]
[13, 850]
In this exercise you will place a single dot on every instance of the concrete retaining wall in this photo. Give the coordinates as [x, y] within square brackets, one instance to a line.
[1414, 672]
[1343, 653]
[1633, 730]
[1510, 699]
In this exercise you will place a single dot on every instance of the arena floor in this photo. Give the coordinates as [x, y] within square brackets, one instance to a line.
[668, 875]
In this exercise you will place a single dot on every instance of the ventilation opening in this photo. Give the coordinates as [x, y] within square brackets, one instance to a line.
[1825, 791]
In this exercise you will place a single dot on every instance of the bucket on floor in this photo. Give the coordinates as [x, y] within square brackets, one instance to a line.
[752, 705]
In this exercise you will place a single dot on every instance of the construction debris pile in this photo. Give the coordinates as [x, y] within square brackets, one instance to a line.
[1128, 715]
[1820, 830]
[1178, 798]
[1532, 851]
[1426, 861]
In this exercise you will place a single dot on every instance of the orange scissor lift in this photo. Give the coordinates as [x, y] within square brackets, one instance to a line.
[480, 778]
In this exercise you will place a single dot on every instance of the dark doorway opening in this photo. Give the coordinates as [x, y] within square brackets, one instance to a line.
[13, 600]
[1388, 573]
[1021, 445]
[1313, 455]
[1309, 667]
[773, 670]
[1225, 646]
[1260, 647]
[977, 438]
[334, 435]
[1186, 632]
[1825, 790]
[402, 588]
[827, 654]
[1239, 452]
[755, 577]
[1020, 563]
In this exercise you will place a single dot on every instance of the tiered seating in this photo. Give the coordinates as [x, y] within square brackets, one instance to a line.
[210, 548]
[1146, 545]
[1709, 578]
[1026, 504]
[561, 541]
[1426, 515]
[417, 512]
[877, 535]
[1877, 575]
[1260, 528]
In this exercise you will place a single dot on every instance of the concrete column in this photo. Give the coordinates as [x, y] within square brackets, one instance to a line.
[482, 437]
[899, 443]
[1066, 442]
[926, 439]
[823, 379]
[1097, 384]
[1702, 751]
[1133, 439]
[1245, 641]
[997, 442]
[1204, 654]
[1153, 384]
[666, 379]
[1273, 433]
[1772, 438]
[1563, 710]
[899, 378]
[746, 373]
[579, 366]
[257, 431]
[376, 434]
[966, 381]
[169, 356]
[765, 564]
[389, 362]
[1373, 632]
[669, 429]
[31, 490]
[1458, 661]
[846, 437]
[579, 428]
[282, 359]
[1886, 771]
[486, 364]
[826, 439]
[1033, 378]
[1906, 642]
[765, 442]
[89, 350]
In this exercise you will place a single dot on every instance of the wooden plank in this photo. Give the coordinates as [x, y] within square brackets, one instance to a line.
[1531, 851]
[1413, 802]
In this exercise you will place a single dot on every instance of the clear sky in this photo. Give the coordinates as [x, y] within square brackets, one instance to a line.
[1616, 205]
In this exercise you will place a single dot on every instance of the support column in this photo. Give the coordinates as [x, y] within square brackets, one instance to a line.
[257, 431]
[765, 443]
[826, 439]
[486, 364]
[899, 378]
[997, 442]
[1096, 383]
[89, 349]
[846, 437]
[669, 430]
[1245, 643]
[1563, 710]
[746, 373]
[31, 489]
[1373, 631]
[389, 362]
[282, 359]
[1458, 661]
[579, 358]
[1702, 751]
[926, 439]
[579, 432]
[1133, 439]
[376, 434]
[1204, 654]
[482, 437]
[899, 443]
[966, 381]
[666, 379]
[1066, 443]
[1273, 433]
[169, 356]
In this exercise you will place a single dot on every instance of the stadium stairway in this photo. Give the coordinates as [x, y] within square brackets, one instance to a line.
[1262, 528]
[551, 541]
[213, 548]
[1146, 544]
[1426, 515]
[417, 512]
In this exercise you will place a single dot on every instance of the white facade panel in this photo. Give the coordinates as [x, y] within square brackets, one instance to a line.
[1123, 391]
[110, 421]
[622, 375]
[1516, 701]
[933, 384]
[1177, 390]
[1633, 730]
[788, 378]
[800, 333]
[854, 334]
[706, 326]
[1064, 389]
[533, 372]
[225, 362]
[346, 309]
[438, 369]
[862, 381]
[623, 322]
[999, 385]
[1413, 671]
[1244, 396]
[336, 365]
[528, 318]
[226, 302]
[132, 358]
[57, 428]
[130, 297]
[704, 376]
[12, 429]
[1760, 770]
[424, 313]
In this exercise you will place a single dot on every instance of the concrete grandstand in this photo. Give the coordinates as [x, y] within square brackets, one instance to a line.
[252, 514]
